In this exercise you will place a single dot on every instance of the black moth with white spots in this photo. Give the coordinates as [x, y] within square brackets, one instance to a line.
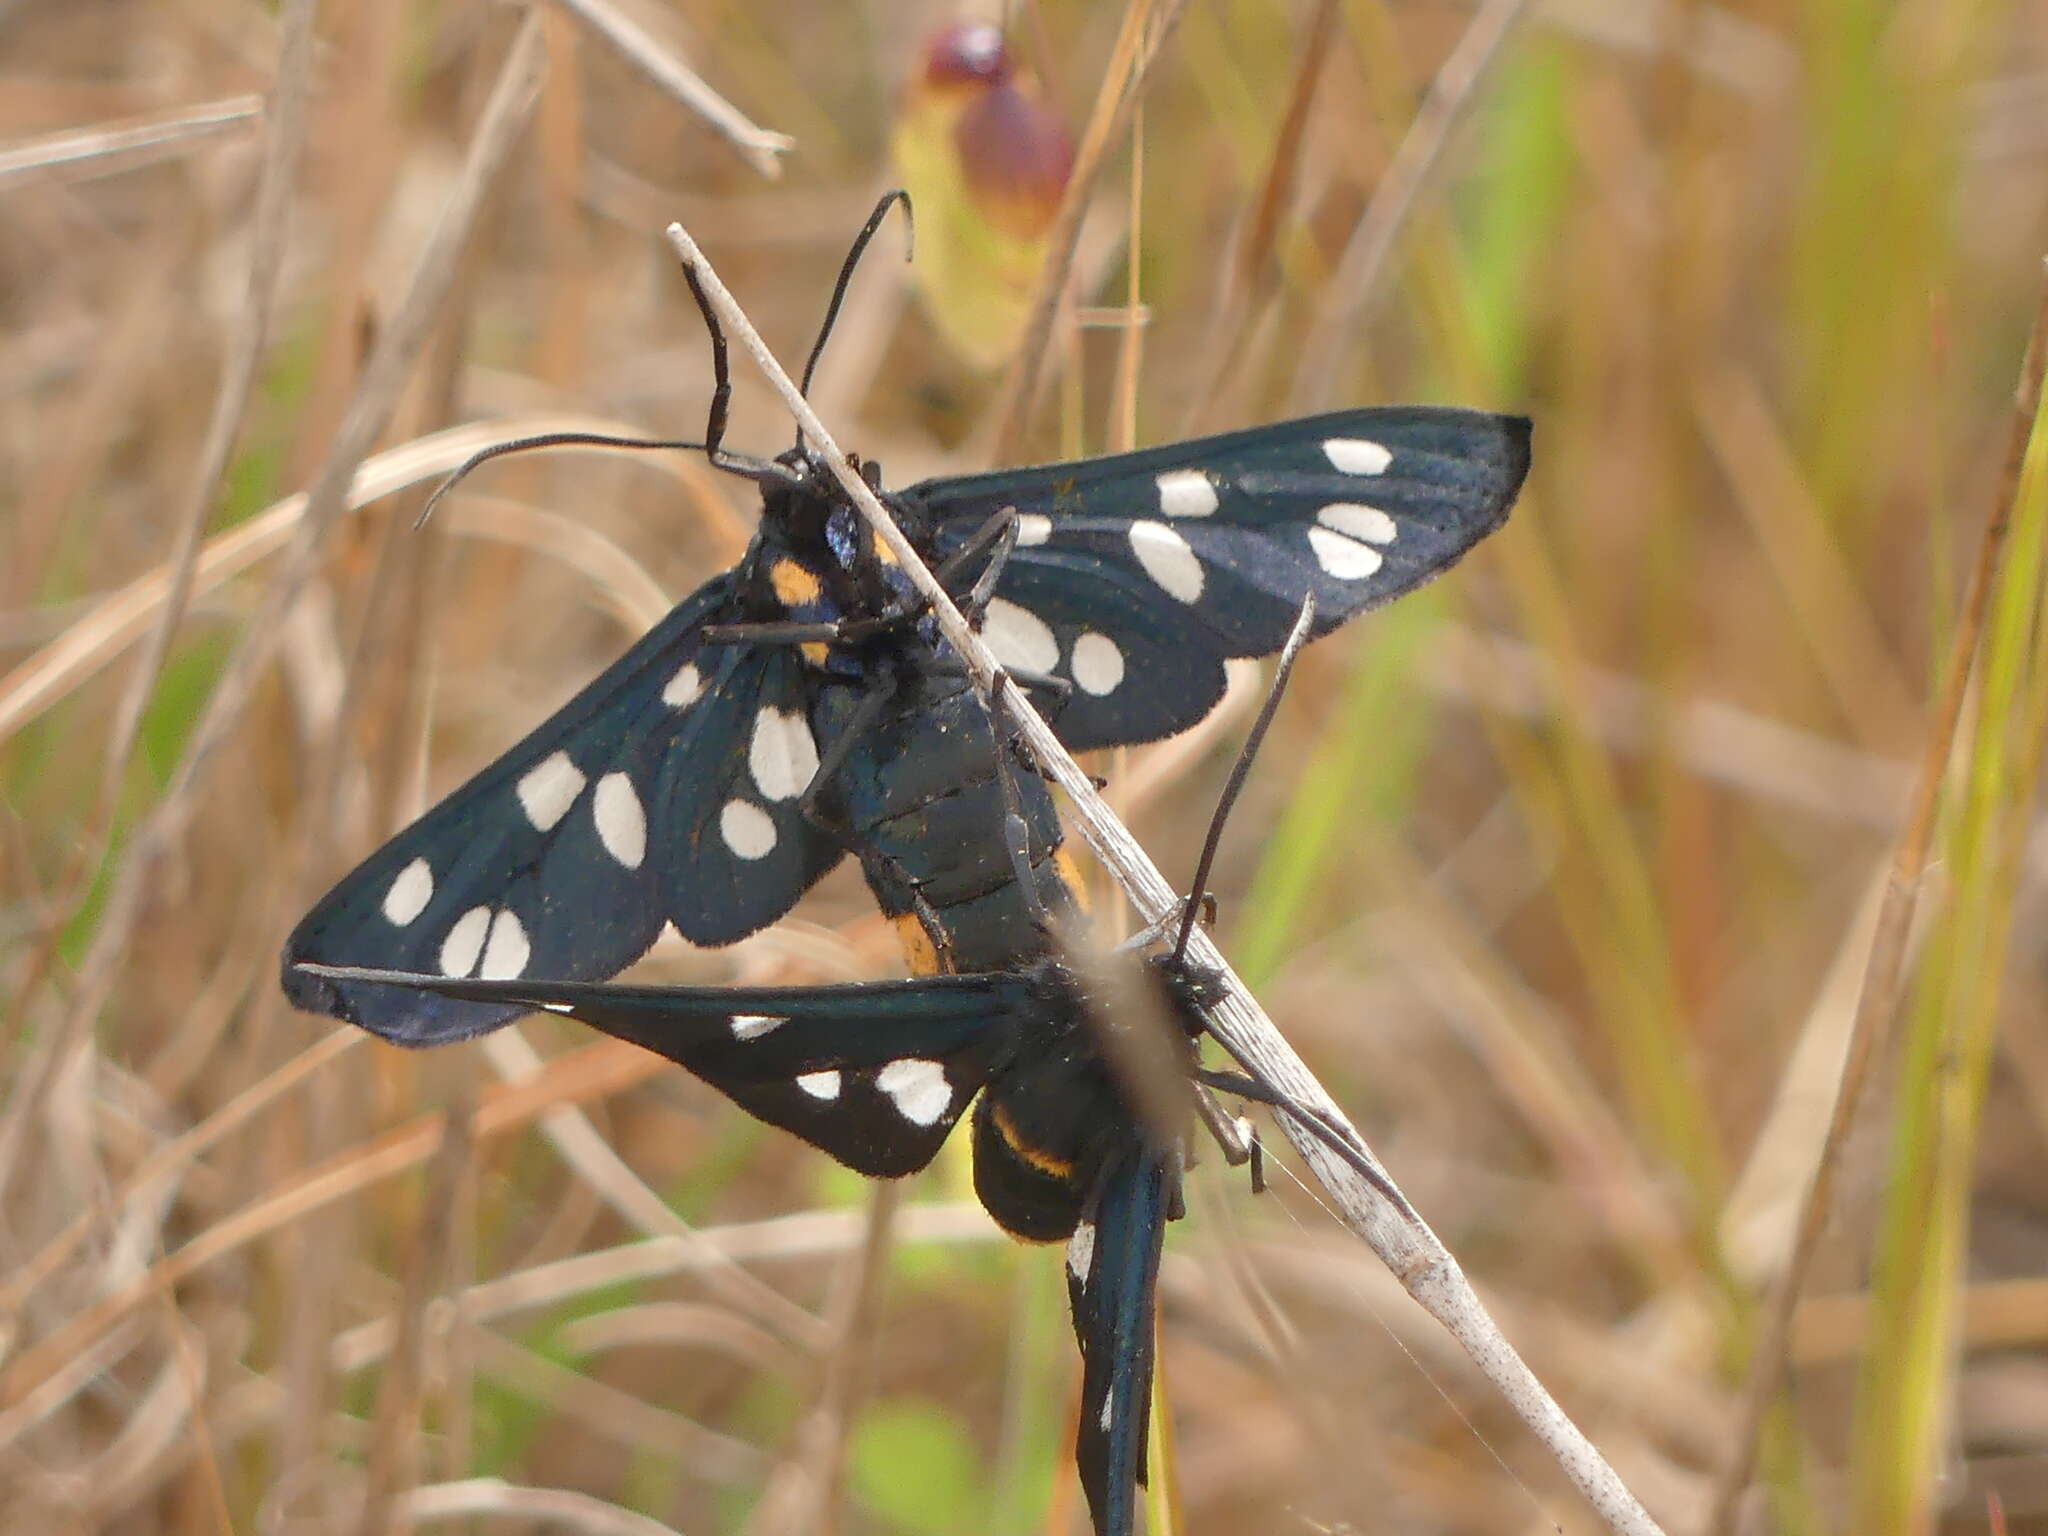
[801, 706]
[684, 786]
[877, 1073]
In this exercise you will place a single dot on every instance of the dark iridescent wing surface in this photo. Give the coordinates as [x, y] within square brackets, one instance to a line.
[1219, 539]
[1112, 1281]
[661, 792]
[873, 1073]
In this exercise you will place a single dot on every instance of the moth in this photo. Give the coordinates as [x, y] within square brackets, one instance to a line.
[802, 706]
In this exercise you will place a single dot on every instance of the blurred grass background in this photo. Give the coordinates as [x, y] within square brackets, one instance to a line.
[1561, 873]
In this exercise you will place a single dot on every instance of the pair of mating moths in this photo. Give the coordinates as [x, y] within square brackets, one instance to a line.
[801, 706]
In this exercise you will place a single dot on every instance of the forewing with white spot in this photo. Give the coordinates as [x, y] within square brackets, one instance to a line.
[1142, 668]
[554, 860]
[1229, 532]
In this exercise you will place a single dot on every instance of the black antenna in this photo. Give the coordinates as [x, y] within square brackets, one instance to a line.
[537, 441]
[1241, 770]
[859, 248]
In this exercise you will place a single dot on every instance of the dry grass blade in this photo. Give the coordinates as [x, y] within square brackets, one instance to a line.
[92, 641]
[398, 347]
[1848, 645]
[1885, 974]
[394, 1429]
[603, 1170]
[617, 1415]
[1401, 1239]
[1762, 1211]
[112, 147]
[1356, 281]
[1146, 27]
[805, 1494]
[167, 1161]
[679, 1324]
[1248, 255]
[805, 1235]
[282, 148]
[605, 1068]
[759, 147]
[560, 1507]
[1720, 742]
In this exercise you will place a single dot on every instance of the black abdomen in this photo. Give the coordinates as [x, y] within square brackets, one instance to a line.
[927, 814]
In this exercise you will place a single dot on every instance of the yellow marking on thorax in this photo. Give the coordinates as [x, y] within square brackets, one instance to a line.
[816, 652]
[882, 551]
[918, 950]
[1064, 866]
[796, 586]
[1036, 1157]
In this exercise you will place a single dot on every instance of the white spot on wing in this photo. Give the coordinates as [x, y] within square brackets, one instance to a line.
[1358, 455]
[683, 688]
[621, 822]
[409, 893]
[1345, 559]
[1098, 664]
[748, 830]
[783, 757]
[1033, 528]
[465, 942]
[1108, 1402]
[1186, 493]
[1367, 523]
[1018, 637]
[820, 1085]
[1168, 560]
[919, 1088]
[507, 953]
[549, 788]
[752, 1026]
[1081, 1252]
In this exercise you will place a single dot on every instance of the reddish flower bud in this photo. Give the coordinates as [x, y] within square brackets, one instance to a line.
[985, 163]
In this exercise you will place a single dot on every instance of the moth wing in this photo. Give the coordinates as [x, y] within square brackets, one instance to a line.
[566, 855]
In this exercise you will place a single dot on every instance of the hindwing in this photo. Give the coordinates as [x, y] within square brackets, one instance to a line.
[872, 1073]
[1112, 1280]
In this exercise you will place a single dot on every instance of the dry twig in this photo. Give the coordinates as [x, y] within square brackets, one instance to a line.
[759, 147]
[109, 147]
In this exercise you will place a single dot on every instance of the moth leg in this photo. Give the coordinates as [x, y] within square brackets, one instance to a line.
[772, 632]
[1050, 683]
[997, 538]
[999, 530]
[1058, 689]
[1171, 920]
[1233, 1134]
[1017, 842]
[1244, 1086]
[811, 802]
